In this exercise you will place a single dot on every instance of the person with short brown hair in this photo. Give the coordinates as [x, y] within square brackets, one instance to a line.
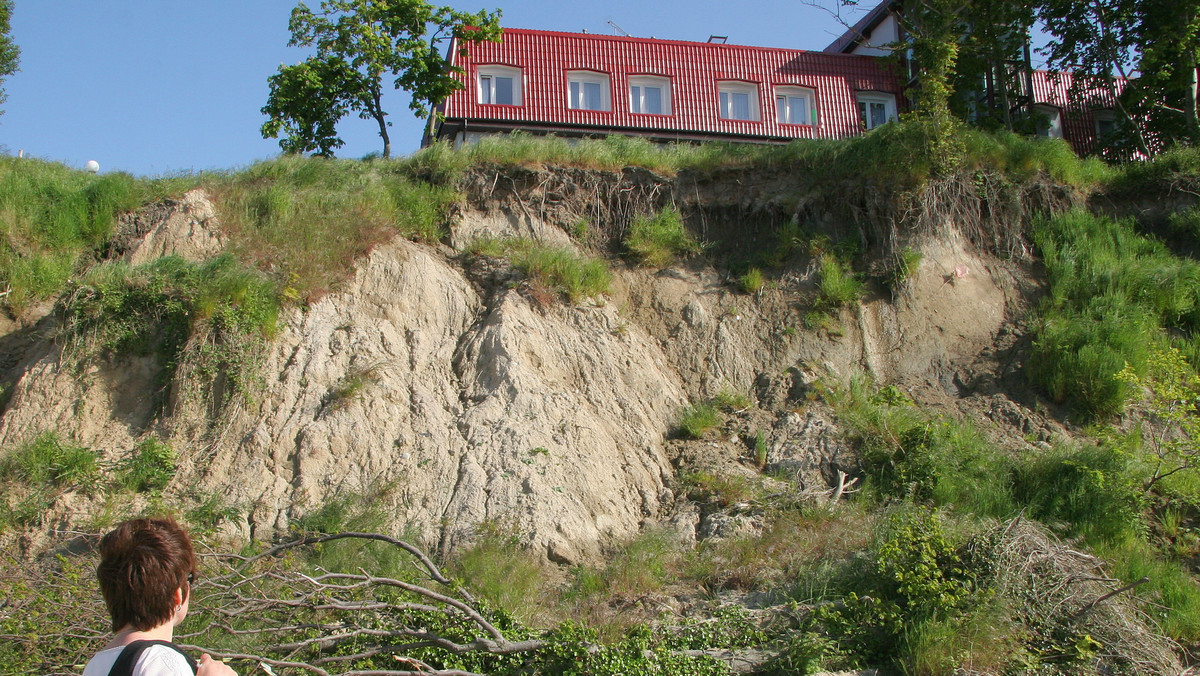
[146, 571]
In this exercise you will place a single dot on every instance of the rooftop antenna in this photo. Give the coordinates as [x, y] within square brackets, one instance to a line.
[619, 29]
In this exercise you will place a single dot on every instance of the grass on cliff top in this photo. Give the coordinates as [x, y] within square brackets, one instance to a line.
[52, 216]
[893, 154]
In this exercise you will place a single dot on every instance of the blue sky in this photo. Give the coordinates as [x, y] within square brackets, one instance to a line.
[162, 86]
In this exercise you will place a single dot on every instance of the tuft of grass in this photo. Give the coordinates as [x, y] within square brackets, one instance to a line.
[506, 575]
[752, 282]
[48, 460]
[556, 268]
[838, 286]
[350, 388]
[657, 240]
[150, 466]
[730, 401]
[697, 419]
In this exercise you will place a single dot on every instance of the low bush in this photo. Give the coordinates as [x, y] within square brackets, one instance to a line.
[657, 240]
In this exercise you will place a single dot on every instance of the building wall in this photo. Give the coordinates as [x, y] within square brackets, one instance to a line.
[694, 69]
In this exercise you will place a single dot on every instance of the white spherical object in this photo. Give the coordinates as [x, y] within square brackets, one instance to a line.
[92, 166]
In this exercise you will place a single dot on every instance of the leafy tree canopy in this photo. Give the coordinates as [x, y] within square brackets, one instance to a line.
[357, 43]
[9, 52]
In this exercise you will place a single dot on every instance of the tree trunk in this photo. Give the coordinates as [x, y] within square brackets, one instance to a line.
[1189, 109]
[378, 114]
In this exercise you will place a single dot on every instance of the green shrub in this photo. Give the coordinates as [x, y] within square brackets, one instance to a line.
[838, 286]
[656, 241]
[149, 467]
[697, 419]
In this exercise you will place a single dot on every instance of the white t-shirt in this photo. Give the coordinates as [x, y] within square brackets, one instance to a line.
[156, 660]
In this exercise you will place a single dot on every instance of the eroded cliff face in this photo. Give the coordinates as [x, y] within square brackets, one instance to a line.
[456, 397]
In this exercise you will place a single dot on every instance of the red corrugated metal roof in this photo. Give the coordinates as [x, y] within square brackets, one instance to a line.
[694, 69]
[1058, 89]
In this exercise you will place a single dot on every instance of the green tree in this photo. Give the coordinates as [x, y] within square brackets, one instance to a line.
[356, 43]
[1171, 397]
[9, 52]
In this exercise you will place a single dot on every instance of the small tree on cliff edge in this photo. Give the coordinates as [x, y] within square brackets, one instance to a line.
[357, 42]
[9, 52]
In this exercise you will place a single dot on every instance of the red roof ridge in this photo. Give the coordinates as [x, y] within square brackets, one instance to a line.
[630, 38]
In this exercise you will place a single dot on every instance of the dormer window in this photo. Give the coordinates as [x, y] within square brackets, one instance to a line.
[875, 109]
[737, 100]
[588, 90]
[650, 95]
[499, 85]
[794, 105]
[1049, 122]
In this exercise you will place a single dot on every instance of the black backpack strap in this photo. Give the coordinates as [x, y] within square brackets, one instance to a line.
[133, 650]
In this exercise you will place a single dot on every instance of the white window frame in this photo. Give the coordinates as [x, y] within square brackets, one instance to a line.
[486, 79]
[786, 97]
[727, 90]
[1049, 126]
[868, 98]
[638, 84]
[578, 79]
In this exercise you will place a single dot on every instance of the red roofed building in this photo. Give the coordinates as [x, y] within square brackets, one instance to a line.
[578, 84]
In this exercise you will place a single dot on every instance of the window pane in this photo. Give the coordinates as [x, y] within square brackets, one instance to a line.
[741, 106]
[878, 114]
[781, 108]
[725, 110]
[862, 114]
[591, 96]
[575, 103]
[635, 98]
[798, 110]
[653, 100]
[504, 90]
[485, 88]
